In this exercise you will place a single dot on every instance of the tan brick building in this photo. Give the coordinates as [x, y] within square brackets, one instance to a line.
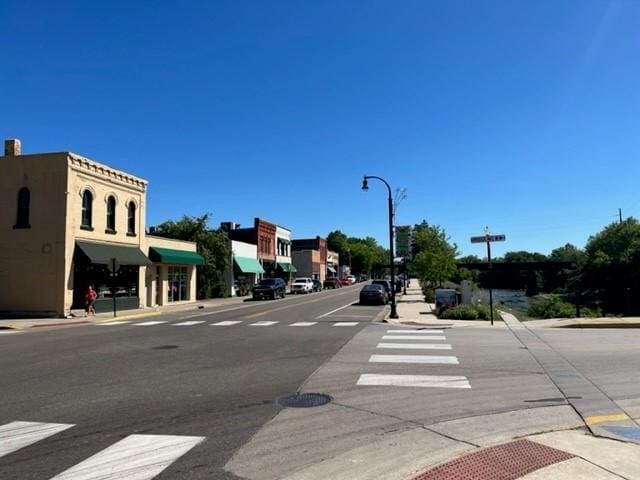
[63, 219]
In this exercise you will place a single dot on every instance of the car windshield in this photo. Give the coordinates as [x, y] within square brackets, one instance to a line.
[373, 287]
[268, 282]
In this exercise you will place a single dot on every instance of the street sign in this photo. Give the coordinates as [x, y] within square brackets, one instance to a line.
[403, 240]
[488, 238]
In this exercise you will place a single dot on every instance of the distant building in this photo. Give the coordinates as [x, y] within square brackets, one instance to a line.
[318, 244]
[263, 236]
[333, 264]
[67, 222]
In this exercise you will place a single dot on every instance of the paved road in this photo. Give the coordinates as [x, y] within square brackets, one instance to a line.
[202, 389]
[205, 385]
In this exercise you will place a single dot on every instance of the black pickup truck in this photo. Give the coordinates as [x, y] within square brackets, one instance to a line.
[269, 288]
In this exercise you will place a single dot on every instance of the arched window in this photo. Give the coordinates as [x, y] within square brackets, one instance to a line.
[87, 208]
[131, 219]
[22, 216]
[111, 214]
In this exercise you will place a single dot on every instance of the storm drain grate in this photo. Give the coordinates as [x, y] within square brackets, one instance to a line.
[503, 462]
[304, 400]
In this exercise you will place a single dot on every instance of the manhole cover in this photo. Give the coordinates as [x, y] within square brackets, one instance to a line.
[165, 347]
[304, 400]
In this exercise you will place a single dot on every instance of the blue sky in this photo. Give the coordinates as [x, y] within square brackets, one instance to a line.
[522, 116]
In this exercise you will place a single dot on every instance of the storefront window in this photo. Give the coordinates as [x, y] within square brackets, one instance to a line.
[177, 277]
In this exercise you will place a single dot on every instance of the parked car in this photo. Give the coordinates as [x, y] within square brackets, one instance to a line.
[269, 288]
[317, 285]
[385, 283]
[345, 282]
[352, 279]
[373, 294]
[332, 282]
[302, 285]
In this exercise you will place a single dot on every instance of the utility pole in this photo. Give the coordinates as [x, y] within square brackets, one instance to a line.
[620, 214]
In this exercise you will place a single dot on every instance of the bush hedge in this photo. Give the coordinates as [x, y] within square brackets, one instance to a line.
[550, 306]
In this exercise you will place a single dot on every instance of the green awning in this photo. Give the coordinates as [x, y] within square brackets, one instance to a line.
[287, 267]
[102, 253]
[175, 257]
[248, 265]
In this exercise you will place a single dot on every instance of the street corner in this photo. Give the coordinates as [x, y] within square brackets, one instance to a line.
[507, 461]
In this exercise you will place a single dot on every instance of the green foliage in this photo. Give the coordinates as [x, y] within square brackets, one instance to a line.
[213, 245]
[613, 264]
[361, 253]
[479, 311]
[460, 312]
[550, 306]
[435, 258]
[429, 294]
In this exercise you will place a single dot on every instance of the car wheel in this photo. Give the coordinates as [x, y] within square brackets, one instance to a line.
[273, 295]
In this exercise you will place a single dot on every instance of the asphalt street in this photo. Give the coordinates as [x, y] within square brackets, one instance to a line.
[219, 382]
[205, 384]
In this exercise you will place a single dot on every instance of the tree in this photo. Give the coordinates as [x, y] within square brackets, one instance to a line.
[435, 258]
[612, 267]
[213, 245]
[360, 253]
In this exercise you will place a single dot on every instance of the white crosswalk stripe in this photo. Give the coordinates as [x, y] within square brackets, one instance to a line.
[416, 346]
[345, 324]
[226, 323]
[303, 324]
[149, 324]
[136, 457]
[414, 337]
[263, 323]
[7, 332]
[17, 435]
[414, 359]
[416, 332]
[188, 324]
[115, 322]
[442, 381]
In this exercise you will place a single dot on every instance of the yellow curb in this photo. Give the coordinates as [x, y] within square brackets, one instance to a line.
[127, 317]
[595, 419]
[9, 327]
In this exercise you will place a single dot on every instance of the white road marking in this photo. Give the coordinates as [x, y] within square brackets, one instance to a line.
[188, 324]
[148, 324]
[414, 337]
[413, 381]
[17, 435]
[262, 323]
[302, 324]
[226, 323]
[136, 457]
[7, 332]
[334, 311]
[115, 322]
[345, 324]
[450, 360]
[416, 346]
[415, 331]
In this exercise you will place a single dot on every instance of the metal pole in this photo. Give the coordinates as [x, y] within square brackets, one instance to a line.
[489, 280]
[394, 311]
[405, 276]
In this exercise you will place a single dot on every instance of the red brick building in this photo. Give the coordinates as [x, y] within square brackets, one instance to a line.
[263, 236]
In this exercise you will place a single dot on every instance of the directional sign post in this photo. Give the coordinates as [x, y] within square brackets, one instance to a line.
[489, 238]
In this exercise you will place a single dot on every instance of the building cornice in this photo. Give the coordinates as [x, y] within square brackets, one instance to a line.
[86, 165]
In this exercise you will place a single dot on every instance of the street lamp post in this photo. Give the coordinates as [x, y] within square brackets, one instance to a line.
[365, 187]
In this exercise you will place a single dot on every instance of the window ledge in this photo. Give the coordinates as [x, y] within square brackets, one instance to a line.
[86, 227]
[129, 234]
[110, 232]
[19, 227]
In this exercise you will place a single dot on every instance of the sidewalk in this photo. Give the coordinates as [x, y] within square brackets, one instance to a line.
[487, 448]
[413, 310]
[599, 322]
[78, 317]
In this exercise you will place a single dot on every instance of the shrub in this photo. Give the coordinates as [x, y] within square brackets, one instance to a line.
[550, 306]
[429, 295]
[460, 312]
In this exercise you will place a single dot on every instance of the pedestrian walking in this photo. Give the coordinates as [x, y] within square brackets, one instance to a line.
[90, 298]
